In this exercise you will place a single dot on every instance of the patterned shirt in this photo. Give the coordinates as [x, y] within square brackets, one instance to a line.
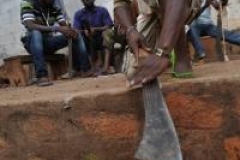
[96, 17]
[33, 10]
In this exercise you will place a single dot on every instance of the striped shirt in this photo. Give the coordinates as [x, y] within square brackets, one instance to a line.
[33, 10]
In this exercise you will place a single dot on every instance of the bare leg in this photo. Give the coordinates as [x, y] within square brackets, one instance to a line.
[106, 60]
[183, 60]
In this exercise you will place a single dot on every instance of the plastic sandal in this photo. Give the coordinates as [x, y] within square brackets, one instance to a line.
[175, 74]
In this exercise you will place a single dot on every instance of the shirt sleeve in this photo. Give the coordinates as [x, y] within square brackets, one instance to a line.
[77, 21]
[120, 3]
[59, 15]
[107, 20]
[27, 11]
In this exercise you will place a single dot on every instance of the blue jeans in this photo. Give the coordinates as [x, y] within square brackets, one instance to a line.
[38, 44]
[199, 29]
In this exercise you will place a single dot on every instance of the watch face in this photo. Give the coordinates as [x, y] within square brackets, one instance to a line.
[159, 51]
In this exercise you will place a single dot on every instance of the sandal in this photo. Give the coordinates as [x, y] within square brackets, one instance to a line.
[175, 74]
[43, 82]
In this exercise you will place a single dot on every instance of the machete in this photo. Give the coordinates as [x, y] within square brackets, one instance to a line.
[220, 46]
[160, 140]
[68, 20]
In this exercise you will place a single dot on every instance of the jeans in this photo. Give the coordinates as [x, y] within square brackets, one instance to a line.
[196, 41]
[199, 29]
[38, 44]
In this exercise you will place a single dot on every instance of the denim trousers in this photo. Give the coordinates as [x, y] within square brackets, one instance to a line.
[201, 29]
[38, 44]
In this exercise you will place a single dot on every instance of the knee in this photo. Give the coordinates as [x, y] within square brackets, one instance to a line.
[36, 35]
[80, 38]
[36, 42]
[81, 44]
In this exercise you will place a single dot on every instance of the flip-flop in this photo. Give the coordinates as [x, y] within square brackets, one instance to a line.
[44, 82]
[175, 74]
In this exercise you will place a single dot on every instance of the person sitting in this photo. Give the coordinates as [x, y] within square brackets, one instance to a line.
[39, 18]
[109, 58]
[204, 26]
[93, 20]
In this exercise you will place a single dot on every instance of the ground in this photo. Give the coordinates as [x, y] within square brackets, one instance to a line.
[63, 90]
[101, 119]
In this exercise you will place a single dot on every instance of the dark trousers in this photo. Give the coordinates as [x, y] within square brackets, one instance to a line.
[197, 29]
[38, 44]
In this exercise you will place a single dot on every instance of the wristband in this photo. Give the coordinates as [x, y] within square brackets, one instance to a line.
[54, 29]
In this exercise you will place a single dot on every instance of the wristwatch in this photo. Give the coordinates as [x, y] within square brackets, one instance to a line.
[160, 52]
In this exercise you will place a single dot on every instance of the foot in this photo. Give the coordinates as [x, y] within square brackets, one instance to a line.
[97, 72]
[69, 75]
[87, 74]
[183, 70]
[43, 82]
[111, 70]
[200, 56]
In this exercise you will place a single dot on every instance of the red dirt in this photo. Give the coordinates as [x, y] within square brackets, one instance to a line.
[111, 126]
[191, 112]
[232, 147]
[39, 127]
[3, 144]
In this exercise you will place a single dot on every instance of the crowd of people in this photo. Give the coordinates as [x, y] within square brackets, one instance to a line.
[93, 35]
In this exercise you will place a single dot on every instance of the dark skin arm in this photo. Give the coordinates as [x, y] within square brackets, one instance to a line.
[174, 18]
[95, 29]
[63, 28]
[125, 17]
[135, 11]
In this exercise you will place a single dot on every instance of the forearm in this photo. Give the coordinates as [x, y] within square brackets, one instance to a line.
[41, 28]
[124, 16]
[64, 23]
[103, 28]
[174, 19]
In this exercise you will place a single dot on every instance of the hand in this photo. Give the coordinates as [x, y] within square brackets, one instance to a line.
[216, 4]
[93, 30]
[136, 41]
[152, 67]
[86, 32]
[69, 32]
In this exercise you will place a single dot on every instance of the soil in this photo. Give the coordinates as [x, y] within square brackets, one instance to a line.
[111, 126]
[64, 90]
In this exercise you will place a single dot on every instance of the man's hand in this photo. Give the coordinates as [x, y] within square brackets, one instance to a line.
[216, 3]
[67, 31]
[152, 67]
[93, 30]
[136, 41]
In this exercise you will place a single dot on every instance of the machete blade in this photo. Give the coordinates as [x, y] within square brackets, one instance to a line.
[160, 140]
